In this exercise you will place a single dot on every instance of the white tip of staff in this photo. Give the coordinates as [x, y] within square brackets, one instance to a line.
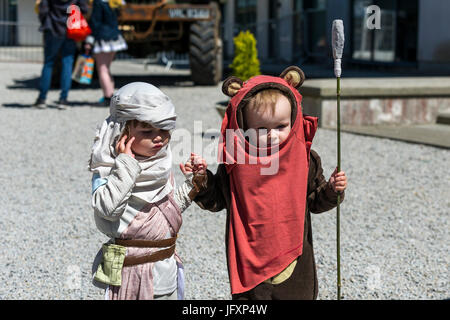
[337, 68]
[337, 38]
[337, 41]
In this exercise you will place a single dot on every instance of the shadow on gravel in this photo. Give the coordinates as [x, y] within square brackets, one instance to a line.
[16, 105]
[32, 83]
[52, 105]
[49, 105]
[120, 80]
[156, 80]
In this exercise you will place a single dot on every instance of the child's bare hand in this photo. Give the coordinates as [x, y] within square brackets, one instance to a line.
[121, 147]
[199, 164]
[187, 167]
[338, 181]
[195, 164]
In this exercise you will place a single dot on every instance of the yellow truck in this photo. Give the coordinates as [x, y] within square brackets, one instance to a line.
[181, 26]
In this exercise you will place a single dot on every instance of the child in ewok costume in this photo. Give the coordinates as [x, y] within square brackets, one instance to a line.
[269, 239]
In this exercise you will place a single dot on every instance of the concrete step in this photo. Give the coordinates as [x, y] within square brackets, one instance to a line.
[443, 118]
[437, 135]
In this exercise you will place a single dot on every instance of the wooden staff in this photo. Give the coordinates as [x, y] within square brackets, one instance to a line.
[338, 47]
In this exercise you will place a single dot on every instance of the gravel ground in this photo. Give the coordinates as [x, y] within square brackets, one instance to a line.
[394, 225]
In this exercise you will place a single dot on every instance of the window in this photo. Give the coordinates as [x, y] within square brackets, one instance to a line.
[315, 15]
[395, 41]
[245, 11]
[8, 10]
[8, 18]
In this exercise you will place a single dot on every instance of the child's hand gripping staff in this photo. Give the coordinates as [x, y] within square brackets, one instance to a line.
[338, 46]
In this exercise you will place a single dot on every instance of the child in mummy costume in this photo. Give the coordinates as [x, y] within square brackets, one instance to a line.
[135, 200]
[269, 237]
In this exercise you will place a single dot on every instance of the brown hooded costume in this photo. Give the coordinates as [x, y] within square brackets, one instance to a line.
[254, 256]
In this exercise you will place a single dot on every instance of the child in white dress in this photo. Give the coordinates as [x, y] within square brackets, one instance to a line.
[134, 197]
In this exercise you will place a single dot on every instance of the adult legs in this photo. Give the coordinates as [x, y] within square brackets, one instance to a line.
[103, 61]
[52, 46]
[111, 58]
[68, 54]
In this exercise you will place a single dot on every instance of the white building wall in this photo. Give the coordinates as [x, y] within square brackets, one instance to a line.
[28, 23]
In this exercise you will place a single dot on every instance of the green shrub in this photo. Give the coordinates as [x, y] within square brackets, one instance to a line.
[245, 63]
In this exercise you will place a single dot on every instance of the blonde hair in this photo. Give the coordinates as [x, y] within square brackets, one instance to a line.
[265, 99]
[259, 103]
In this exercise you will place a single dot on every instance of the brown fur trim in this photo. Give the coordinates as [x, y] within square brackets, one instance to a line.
[294, 76]
[231, 86]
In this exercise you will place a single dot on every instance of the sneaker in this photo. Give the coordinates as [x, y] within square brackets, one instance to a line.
[62, 104]
[103, 102]
[40, 104]
[107, 101]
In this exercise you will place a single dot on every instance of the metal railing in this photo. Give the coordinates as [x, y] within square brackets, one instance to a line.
[21, 42]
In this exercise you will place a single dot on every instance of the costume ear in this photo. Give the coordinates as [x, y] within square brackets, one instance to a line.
[231, 86]
[294, 76]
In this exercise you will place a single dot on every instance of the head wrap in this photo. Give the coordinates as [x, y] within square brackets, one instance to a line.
[146, 103]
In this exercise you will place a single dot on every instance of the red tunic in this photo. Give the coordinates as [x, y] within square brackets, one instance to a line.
[267, 211]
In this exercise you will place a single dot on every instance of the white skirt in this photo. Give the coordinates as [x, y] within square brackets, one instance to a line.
[110, 45]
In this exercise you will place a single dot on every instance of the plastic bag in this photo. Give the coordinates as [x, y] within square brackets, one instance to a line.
[84, 69]
[77, 26]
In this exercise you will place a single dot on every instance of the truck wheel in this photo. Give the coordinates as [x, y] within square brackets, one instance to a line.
[205, 52]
